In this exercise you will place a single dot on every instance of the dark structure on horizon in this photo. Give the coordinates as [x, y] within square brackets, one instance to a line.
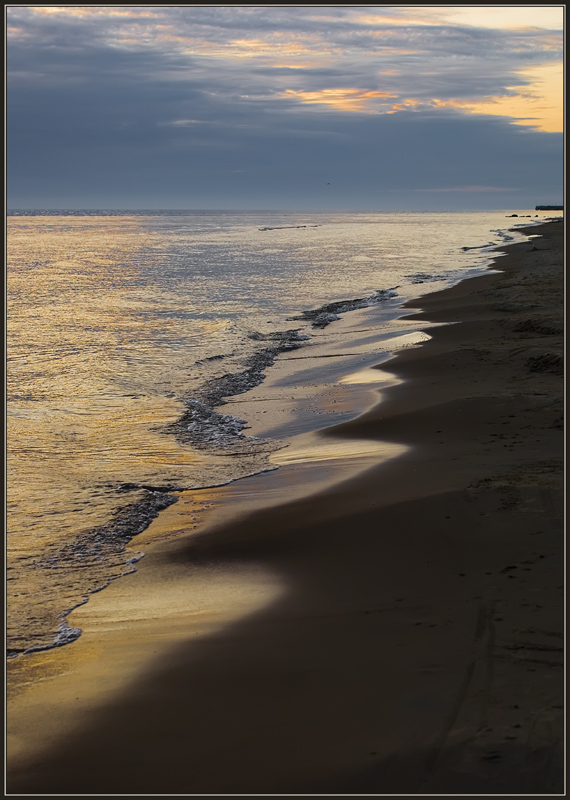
[549, 208]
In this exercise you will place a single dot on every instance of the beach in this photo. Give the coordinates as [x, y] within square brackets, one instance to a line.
[383, 614]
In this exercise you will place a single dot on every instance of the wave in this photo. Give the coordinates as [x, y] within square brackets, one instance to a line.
[323, 316]
[89, 563]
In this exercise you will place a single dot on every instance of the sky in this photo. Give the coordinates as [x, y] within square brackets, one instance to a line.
[371, 108]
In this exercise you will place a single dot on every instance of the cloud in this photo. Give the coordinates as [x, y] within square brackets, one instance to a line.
[343, 99]
[184, 96]
[501, 17]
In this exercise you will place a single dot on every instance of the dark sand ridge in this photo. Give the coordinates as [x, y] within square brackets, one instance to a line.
[414, 639]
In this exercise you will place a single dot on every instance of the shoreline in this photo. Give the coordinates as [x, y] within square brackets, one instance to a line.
[132, 503]
[352, 666]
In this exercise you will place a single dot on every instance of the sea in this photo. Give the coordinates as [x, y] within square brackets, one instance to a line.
[126, 330]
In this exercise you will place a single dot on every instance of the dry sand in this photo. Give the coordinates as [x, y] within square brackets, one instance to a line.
[346, 624]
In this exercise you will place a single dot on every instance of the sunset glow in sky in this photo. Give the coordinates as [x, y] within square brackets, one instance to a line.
[332, 107]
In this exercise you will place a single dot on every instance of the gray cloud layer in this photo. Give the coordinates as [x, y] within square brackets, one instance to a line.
[128, 110]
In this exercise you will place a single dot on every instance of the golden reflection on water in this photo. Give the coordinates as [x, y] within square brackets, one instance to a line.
[87, 372]
[98, 355]
[56, 452]
[112, 321]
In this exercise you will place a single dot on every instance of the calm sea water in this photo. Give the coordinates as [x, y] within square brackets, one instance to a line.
[125, 332]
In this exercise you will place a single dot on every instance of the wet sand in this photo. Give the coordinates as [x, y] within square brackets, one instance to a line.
[348, 625]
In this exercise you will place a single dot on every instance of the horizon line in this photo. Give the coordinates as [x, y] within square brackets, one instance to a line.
[166, 209]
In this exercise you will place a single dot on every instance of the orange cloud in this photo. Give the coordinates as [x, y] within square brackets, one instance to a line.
[343, 99]
[90, 11]
[410, 102]
[393, 21]
[504, 17]
[260, 47]
[539, 104]
[291, 66]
